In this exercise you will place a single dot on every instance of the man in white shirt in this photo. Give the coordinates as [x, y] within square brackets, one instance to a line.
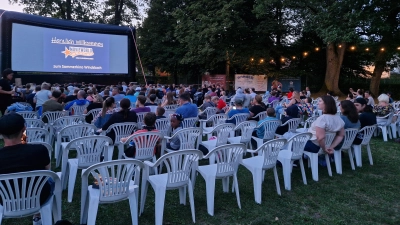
[371, 102]
[43, 95]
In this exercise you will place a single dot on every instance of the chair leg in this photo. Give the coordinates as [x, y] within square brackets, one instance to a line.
[210, 193]
[350, 152]
[394, 130]
[314, 165]
[236, 184]
[182, 195]
[45, 212]
[71, 181]
[338, 161]
[384, 133]
[225, 184]
[357, 154]
[328, 164]
[159, 204]
[134, 207]
[389, 132]
[278, 186]
[145, 186]
[286, 166]
[92, 210]
[303, 173]
[257, 184]
[371, 162]
[191, 200]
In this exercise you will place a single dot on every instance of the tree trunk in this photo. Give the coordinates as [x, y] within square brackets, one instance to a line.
[376, 77]
[228, 63]
[69, 9]
[334, 59]
[118, 11]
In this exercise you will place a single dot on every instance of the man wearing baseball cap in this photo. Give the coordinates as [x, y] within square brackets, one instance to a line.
[16, 157]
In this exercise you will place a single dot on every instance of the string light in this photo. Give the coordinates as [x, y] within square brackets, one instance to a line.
[252, 59]
[317, 49]
[367, 49]
[294, 57]
[382, 49]
[340, 46]
[262, 60]
[398, 48]
[352, 48]
[305, 53]
[282, 59]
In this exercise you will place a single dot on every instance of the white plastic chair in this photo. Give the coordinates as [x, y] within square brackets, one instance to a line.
[145, 143]
[164, 126]
[89, 150]
[115, 184]
[240, 117]
[77, 110]
[292, 126]
[170, 107]
[266, 159]
[65, 121]
[189, 122]
[395, 126]
[209, 111]
[35, 123]
[269, 127]
[179, 167]
[50, 117]
[384, 124]
[212, 122]
[153, 108]
[28, 114]
[188, 137]
[246, 129]
[365, 134]
[168, 113]
[226, 166]
[307, 124]
[69, 133]
[93, 112]
[221, 132]
[37, 135]
[350, 135]
[313, 157]
[261, 116]
[294, 151]
[20, 194]
[140, 119]
[121, 130]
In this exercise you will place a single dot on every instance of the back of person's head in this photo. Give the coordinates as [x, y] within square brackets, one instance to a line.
[330, 105]
[207, 97]
[120, 88]
[258, 99]
[309, 100]
[349, 110]
[271, 112]
[89, 92]
[28, 86]
[141, 99]
[130, 92]
[12, 126]
[125, 105]
[291, 89]
[76, 90]
[160, 111]
[350, 95]
[153, 97]
[38, 88]
[98, 98]
[56, 94]
[292, 111]
[106, 92]
[383, 98]
[7, 72]
[247, 91]
[45, 86]
[185, 96]
[149, 119]
[108, 103]
[81, 94]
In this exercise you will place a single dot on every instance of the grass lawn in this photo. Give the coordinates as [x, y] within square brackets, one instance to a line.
[368, 195]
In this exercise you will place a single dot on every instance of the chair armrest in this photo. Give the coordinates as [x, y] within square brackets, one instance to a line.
[168, 138]
[149, 164]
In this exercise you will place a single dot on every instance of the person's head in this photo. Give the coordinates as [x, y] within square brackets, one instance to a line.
[296, 95]
[351, 90]
[389, 94]
[367, 94]
[273, 93]
[28, 86]
[350, 95]
[98, 98]
[247, 91]
[291, 89]
[45, 86]
[308, 100]
[108, 104]
[81, 94]
[349, 110]
[330, 93]
[130, 92]
[271, 112]
[170, 98]
[292, 111]
[257, 100]
[89, 92]
[361, 105]
[8, 74]
[62, 90]
[76, 90]
[253, 90]
[11, 127]
[307, 89]
[383, 100]
[38, 88]
[238, 103]
[176, 120]
[184, 97]
[215, 100]
[106, 92]
[115, 91]
[207, 98]
[140, 101]
[150, 119]
[160, 111]
[360, 92]
[125, 103]
[327, 104]
[56, 94]
[152, 98]
[223, 93]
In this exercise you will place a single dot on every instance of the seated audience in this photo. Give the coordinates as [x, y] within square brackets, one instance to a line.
[291, 112]
[186, 109]
[152, 99]
[257, 107]
[369, 98]
[43, 95]
[141, 100]
[219, 103]
[295, 100]
[176, 125]
[73, 96]
[160, 113]
[349, 117]
[96, 104]
[259, 132]
[238, 108]
[109, 108]
[130, 95]
[79, 101]
[366, 116]
[52, 104]
[117, 95]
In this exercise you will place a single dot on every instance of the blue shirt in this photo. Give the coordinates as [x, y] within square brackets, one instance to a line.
[236, 111]
[118, 97]
[260, 130]
[78, 102]
[188, 110]
[131, 98]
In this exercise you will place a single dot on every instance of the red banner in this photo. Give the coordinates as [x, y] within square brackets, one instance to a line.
[217, 79]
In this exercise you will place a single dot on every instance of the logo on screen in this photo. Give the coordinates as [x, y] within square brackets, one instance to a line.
[77, 51]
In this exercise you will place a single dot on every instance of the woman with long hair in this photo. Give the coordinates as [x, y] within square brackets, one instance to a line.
[169, 99]
[258, 106]
[295, 100]
[349, 117]
[109, 107]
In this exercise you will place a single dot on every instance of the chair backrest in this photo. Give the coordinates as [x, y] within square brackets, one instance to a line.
[140, 119]
[65, 121]
[270, 128]
[228, 158]
[169, 112]
[52, 116]
[94, 112]
[329, 136]
[261, 115]
[28, 114]
[350, 135]
[217, 119]
[209, 111]
[270, 151]
[240, 117]
[292, 124]
[274, 103]
[178, 166]
[89, 149]
[170, 107]
[153, 108]
[20, 192]
[122, 130]
[297, 143]
[388, 119]
[75, 131]
[222, 132]
[37, 135]
[366, 134]
[189, 122]
[145, 144]
[113, 177]
[309, 121]
[34, 123]
[246, 128]
[78, 110]
[189, 138]
[163, 125]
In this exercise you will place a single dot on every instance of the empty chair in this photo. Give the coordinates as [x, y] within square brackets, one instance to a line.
[78, 110]
[221, 132]
[313, 157]
[208, 112]
[212, 122]
[266, 159]
[92, 114]
[246, 129]
[35, 123]
[292, 126]
[117, 180]
[226, 166]
[145, 144]
[188, 138]
[239, 117]
[37, 135]
[294, 151]
[384, 124]
[89, 151]
[365, 134]
[163, 125]
[121, 130]
[28, 114]
[189, 122]
[350, 135]
[65, 121]
[269, 128]
[50, 117]
[178, 168]
[20, 194]
[307, 124]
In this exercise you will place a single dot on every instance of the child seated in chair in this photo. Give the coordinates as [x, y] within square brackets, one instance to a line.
[176, 124]
[160, 113]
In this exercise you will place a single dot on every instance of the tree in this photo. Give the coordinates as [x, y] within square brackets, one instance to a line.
[119, 12]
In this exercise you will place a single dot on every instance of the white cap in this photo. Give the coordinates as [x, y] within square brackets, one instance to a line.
[138, 89]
